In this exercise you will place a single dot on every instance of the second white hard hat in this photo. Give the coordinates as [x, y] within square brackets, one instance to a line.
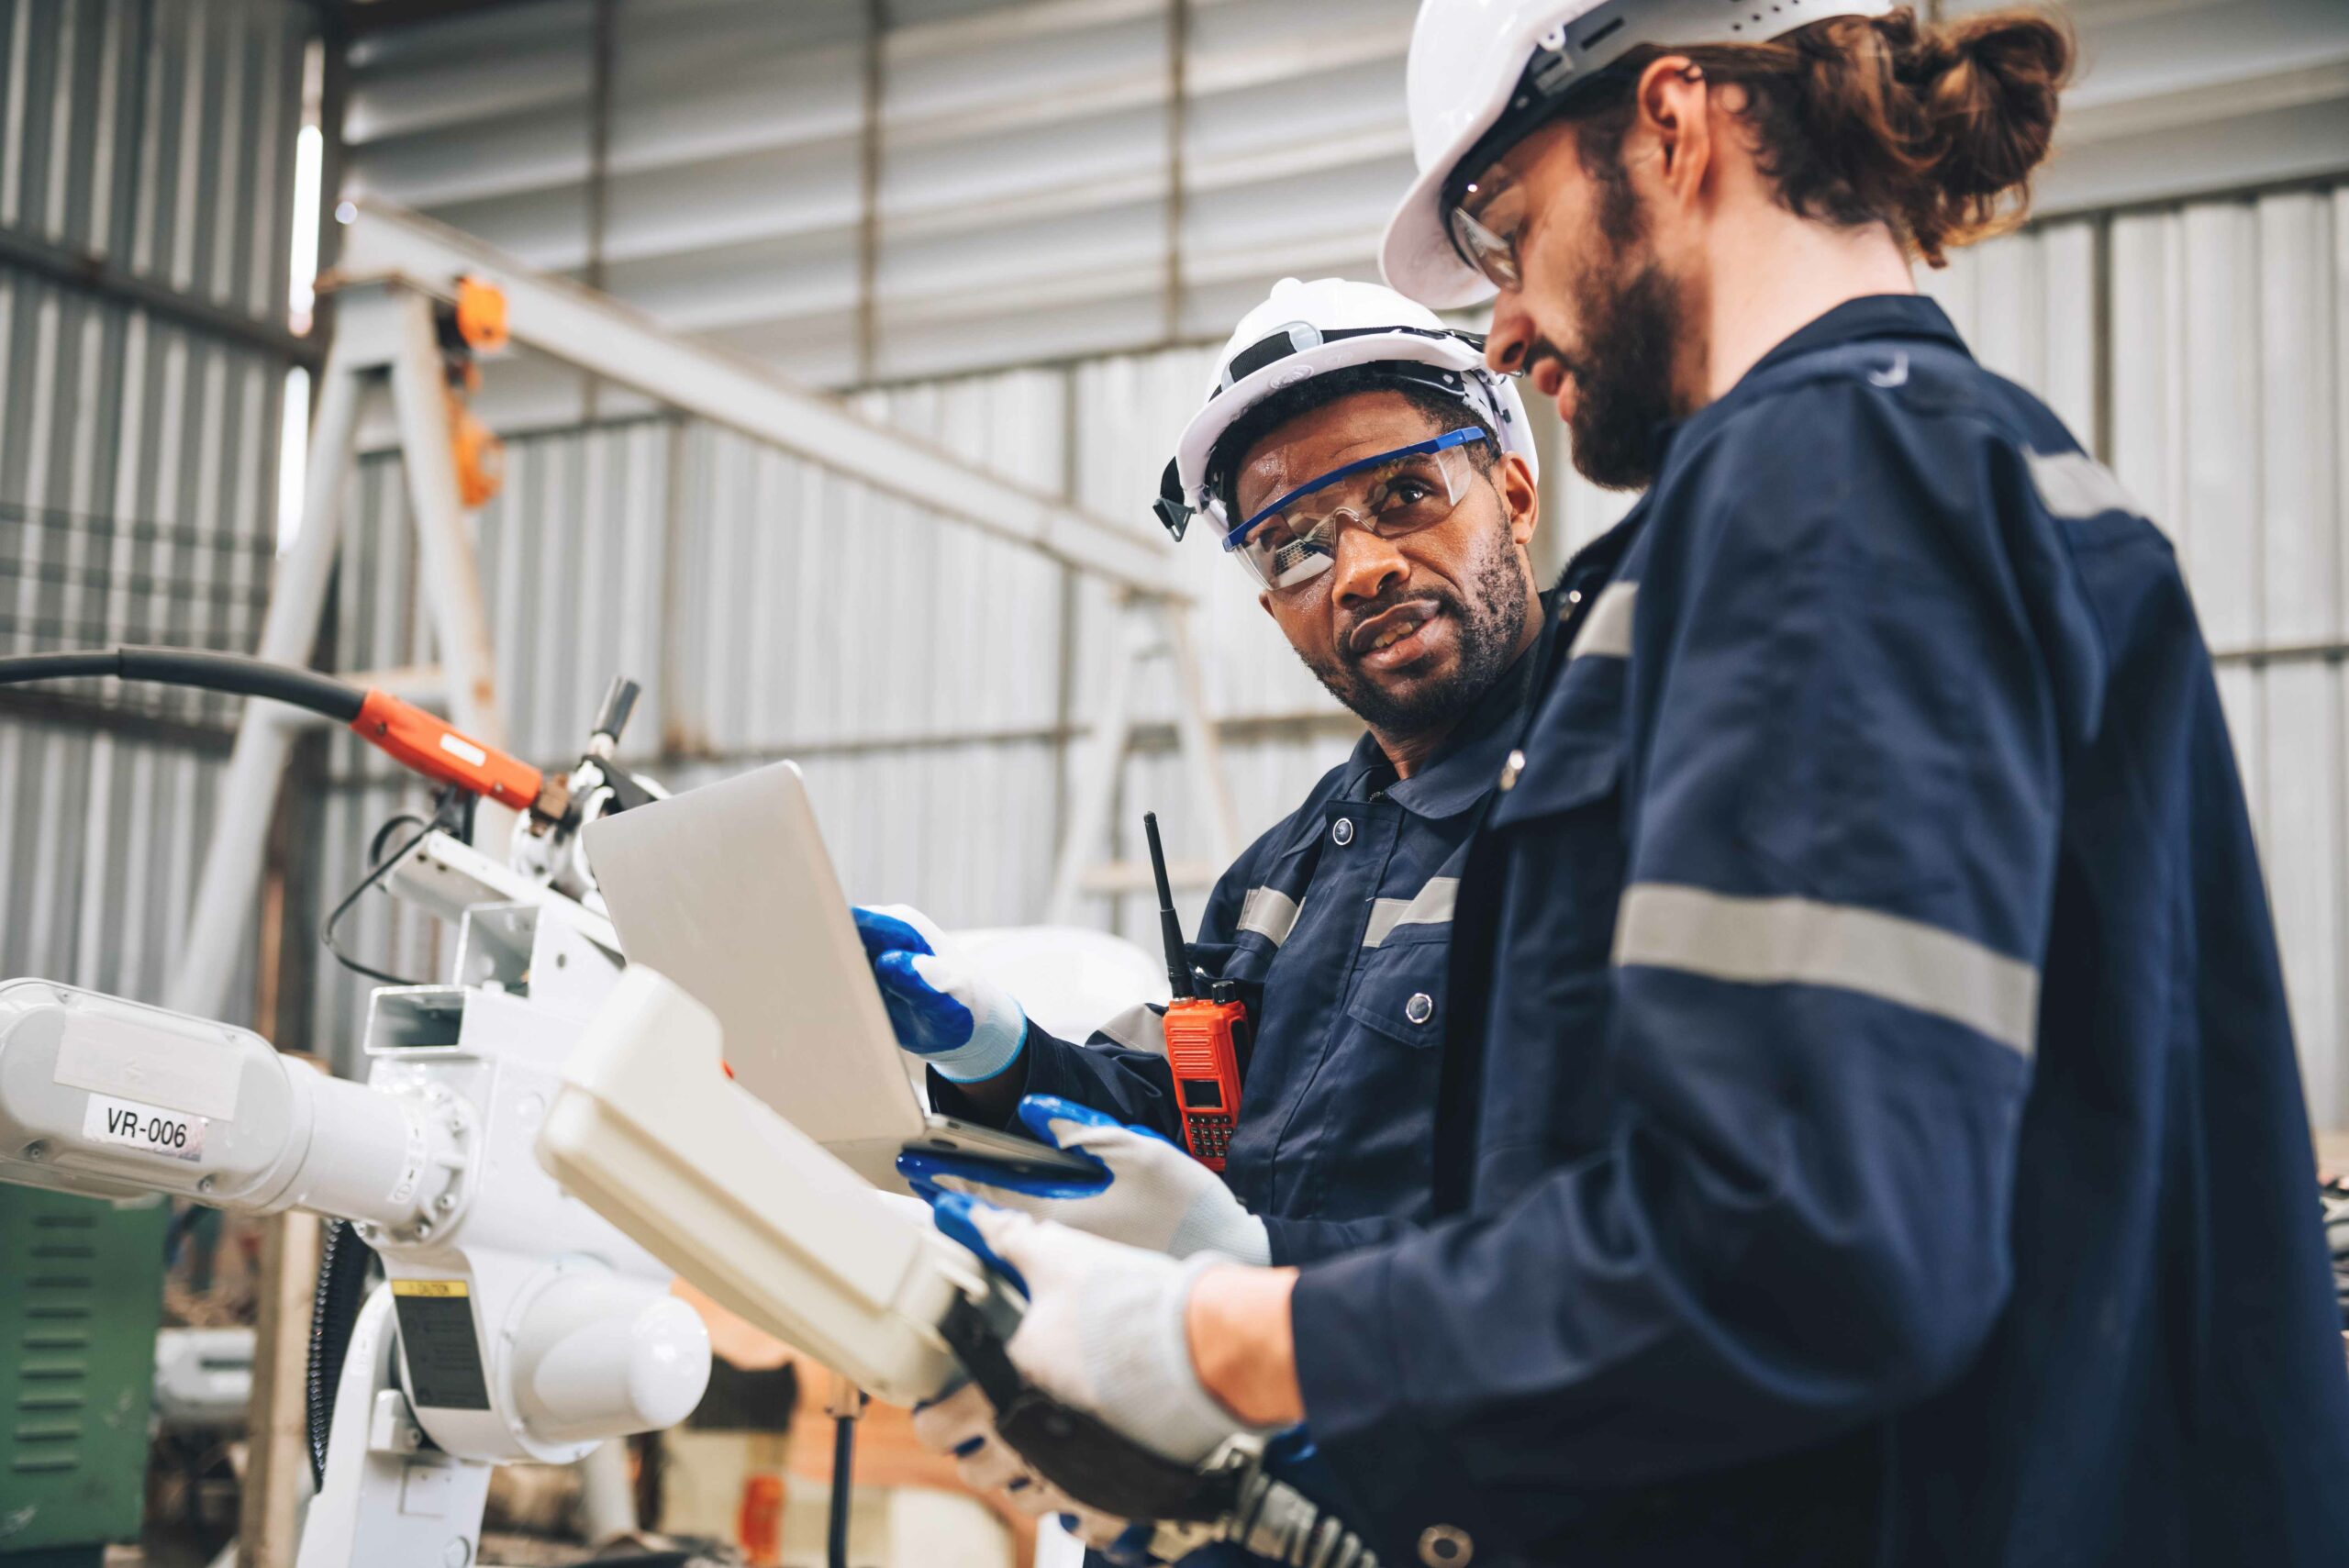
[1478, 67]
[1303, 329]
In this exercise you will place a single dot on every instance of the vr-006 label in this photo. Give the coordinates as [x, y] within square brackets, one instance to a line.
[151, 1127]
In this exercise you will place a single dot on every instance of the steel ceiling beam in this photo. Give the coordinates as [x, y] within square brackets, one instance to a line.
[596, 334]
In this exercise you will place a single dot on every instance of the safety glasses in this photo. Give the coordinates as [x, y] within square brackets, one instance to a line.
[1294, 540]
[1485, 221]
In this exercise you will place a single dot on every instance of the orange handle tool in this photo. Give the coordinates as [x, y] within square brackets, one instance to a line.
[421, 741]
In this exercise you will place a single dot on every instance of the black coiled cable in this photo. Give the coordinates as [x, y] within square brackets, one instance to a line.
[344, 1263]
[1274, 1519]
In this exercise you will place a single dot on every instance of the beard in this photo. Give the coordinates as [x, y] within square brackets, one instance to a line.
[1623, 376]
[1633, 334]
[1491, 622]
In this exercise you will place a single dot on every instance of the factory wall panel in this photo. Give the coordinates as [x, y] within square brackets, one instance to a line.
[1007, 182]
[158, 137]
[138, 445]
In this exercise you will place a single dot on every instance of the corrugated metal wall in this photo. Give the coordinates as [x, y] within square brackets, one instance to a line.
[867, 190]
[153, 142]
[972, 184]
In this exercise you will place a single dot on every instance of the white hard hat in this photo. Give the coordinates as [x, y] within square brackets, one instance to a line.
[1479, 66]
[1303, 329]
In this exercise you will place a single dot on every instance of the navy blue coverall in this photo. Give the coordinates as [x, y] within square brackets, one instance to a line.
[1337, 925]
[1887, 1145]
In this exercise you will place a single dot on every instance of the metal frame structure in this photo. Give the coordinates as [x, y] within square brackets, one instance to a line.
[396, 269]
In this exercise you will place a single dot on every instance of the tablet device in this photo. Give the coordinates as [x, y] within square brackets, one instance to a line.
[728, 890]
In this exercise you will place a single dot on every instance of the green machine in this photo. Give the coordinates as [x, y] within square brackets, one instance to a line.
[81, 1289]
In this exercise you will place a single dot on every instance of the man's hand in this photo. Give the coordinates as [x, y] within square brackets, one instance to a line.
[962, 1424]
[1151, 1194]
[944, 1011]
[1105, 1330]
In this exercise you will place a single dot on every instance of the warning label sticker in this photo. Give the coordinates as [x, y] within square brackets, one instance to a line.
[444, 1369]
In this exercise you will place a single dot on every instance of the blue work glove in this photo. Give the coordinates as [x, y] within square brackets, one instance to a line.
[1150, 1194]
[944, 1011]
[1104, 1329]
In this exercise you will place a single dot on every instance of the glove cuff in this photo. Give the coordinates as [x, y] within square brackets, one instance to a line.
[998, 1034]
[1217, 1223]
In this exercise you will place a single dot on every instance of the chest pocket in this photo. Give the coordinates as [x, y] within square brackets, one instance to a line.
[1399, 985]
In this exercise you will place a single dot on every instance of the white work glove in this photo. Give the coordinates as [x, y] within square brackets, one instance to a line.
[962, 1424]
[944, 1011]
[1150, 1195]
[1104, 1329]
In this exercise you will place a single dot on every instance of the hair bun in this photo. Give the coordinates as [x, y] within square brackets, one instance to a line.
[1990, 85]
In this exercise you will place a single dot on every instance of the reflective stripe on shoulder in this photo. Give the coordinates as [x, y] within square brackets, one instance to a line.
[1605, 632]
[1431, 905]
[1269, 913]
[1794, 942]
[2074, 484]
[1141, 1027]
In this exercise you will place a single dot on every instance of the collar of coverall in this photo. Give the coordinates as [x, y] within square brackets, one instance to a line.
[1871, 315]
[1854, 321]
[1462, 773]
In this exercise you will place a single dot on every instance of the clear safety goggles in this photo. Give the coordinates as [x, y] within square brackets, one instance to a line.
[1295, 540]
[1485, 221]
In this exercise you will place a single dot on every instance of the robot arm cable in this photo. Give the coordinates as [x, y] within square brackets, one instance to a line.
[380, 866]
[232, 673]
[418, 740]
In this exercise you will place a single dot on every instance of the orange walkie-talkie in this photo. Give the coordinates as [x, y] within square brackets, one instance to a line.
[1204, 1034]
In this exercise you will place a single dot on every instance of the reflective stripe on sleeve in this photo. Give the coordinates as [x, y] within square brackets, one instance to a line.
[2074, 484]
[1431, 905]
[1269, 913]
[1605, 633]
[1139, 1027]
[1794, 942]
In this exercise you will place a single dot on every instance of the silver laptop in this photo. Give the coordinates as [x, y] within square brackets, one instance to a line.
[727, 891]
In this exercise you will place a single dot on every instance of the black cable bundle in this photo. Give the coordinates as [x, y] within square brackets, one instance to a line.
[344, 1263]
[232, 673]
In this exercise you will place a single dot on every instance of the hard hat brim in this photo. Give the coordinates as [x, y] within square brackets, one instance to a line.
[1416, 255]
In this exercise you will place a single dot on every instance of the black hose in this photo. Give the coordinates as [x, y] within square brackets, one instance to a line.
[343, 1260]
[232, 673]
[843, 1479]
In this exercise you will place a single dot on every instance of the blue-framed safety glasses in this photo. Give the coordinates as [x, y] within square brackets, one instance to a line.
[1294, 540]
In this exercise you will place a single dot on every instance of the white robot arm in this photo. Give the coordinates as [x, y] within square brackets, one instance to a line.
[515, 1323]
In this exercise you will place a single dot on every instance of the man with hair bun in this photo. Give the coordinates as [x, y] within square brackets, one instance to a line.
[1883, 1142]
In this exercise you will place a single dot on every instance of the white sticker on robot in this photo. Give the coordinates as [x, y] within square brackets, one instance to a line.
[458, 746]
[198, 1070]
[411, 1161]
[174, 1134]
